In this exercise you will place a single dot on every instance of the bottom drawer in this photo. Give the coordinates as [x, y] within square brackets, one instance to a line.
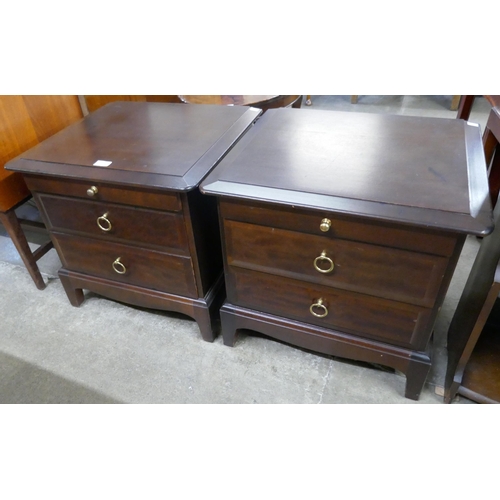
[136, 266]
[397, 323]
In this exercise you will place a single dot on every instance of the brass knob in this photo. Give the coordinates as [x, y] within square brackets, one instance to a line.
[104, 223]
[325, 225]
[319, 304]
[92, 191]
[118, 266]
[322, 258]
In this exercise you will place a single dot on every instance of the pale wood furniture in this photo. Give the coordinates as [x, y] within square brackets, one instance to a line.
[24, 122]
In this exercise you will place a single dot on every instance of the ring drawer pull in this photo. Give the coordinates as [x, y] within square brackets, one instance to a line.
[92, 191]
[119, 267]
[325, 225]
[322, 258]
[104, 223]
[319, 304]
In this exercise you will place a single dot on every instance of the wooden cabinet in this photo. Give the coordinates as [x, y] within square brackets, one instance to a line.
[341, 231]
[119, 194]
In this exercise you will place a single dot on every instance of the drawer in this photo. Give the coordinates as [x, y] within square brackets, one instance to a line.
[146, 268]
[396, 323]
[343, 227]
[137, 225]
[350, 265]
[161, 200]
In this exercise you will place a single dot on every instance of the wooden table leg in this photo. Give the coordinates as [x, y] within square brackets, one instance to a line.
[16, 233]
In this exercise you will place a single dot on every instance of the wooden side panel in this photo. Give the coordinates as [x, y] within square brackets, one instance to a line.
[26, 121]
[98, 101]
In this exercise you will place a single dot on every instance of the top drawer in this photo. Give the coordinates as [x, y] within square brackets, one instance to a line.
[342, 227]
[161, 200]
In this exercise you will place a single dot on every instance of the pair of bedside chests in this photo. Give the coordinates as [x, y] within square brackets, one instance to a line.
[333, 231]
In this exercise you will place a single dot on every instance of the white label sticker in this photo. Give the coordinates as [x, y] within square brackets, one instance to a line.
[102, 163]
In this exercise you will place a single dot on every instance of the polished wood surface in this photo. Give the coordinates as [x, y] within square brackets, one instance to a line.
[263, 102]
[373, 165]
[355, 266]
[157, 151]
[388, 199]
[141, 266]
[134, 168]
[400, 324]
[115, 222]
[24, 122]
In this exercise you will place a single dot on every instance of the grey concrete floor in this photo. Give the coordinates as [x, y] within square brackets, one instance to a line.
[107, 352]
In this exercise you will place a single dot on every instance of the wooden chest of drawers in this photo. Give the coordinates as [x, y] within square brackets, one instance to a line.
[119, 193]
[341, 231]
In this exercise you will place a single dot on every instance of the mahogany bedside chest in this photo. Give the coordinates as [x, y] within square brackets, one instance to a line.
[119, 194]
[341, 231]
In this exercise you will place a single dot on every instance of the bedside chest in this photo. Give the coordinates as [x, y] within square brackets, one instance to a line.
[119, 194]
[341, 231]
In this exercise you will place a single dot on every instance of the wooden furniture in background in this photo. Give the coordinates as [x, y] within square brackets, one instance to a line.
[473, 343]
[119, 194]
[263, 102]
[24, 122]
[491, 138]
[94, 102]
[341, 246]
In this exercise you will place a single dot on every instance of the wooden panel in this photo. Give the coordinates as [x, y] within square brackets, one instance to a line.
[393, 322]
[97, 101]
[132, 224]
[25, 121]
[384, 272]
[351, 228]
[105, 192]
[147, 268]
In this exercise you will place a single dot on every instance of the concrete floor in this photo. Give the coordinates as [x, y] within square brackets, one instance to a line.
[107, 352]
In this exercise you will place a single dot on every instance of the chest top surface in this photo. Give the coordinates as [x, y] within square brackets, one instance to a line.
[418, 170]
[170, 146]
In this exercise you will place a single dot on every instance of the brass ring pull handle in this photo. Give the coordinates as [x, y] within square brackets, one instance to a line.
[325, 225]
[321, 306]
[92, 191]
[104, 223]
[118, 266]
[322, 258]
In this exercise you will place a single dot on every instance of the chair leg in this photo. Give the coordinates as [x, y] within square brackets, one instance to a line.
[354, 99]
[13, 228]
[494, 176]
[465, 107]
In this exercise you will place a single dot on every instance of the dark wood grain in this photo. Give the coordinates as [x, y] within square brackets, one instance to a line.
[147, 198]
[146, 268]
[386, 167]
[128, 224]
[394, 322]
[151, 145]
[342, 226]
[369, 269]
[398, 194]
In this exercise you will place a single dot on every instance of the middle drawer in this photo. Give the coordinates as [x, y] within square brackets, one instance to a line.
[350, 265]
[122, 222]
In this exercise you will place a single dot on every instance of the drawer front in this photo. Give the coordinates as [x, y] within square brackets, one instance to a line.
[396, 323]
[137, 225]
[370, 269]
[343, 227]
[147, 268]
[161, 200]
